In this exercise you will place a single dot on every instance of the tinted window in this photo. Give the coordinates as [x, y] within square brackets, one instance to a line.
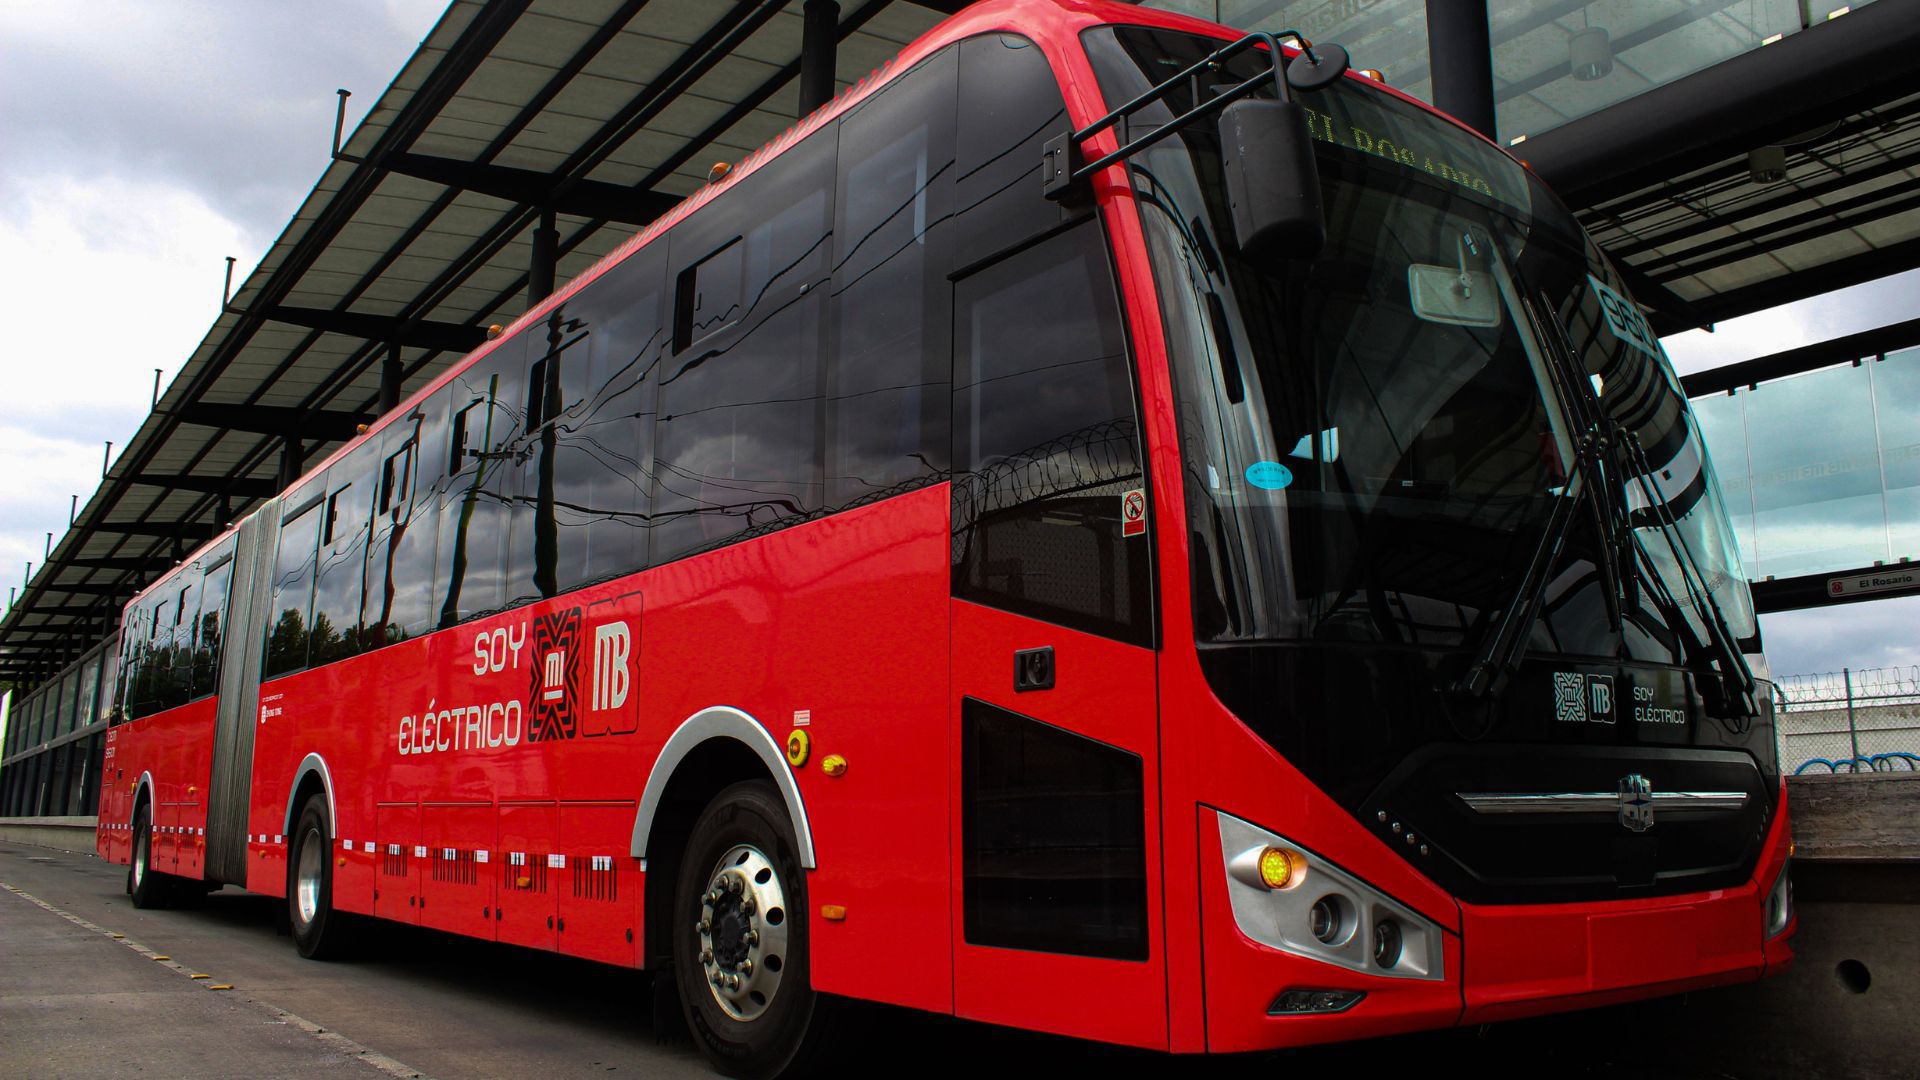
[739, 430]
[1044, 427]
[400, 553]
[1010, 106]
[485, 410]
[600, 438]
[343, 553]
[206, 643]
[1054, 829]
[183, 613]
[888, 383]
[287, 634]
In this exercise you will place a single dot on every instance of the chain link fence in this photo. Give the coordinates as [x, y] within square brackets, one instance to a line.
[1850, 721]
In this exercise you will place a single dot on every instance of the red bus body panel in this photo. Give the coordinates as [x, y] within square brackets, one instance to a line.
[457, 803]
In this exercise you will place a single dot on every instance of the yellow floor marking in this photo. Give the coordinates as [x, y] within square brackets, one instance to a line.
[340, 1042]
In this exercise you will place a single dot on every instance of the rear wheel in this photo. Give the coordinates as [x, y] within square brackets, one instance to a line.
[740, 939]
[319, 932]
[149, 887]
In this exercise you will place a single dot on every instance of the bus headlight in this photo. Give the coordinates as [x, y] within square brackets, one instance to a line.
[1336, 917]
[1780, 902]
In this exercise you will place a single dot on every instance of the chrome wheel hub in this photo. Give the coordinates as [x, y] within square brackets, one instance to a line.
[743, 932]
[307, 873]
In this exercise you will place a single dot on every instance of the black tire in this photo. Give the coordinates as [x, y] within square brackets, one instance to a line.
[319, 932]
[785, 1030]
[149, 888]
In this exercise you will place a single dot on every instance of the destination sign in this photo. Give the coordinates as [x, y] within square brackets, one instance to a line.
[1876, 582]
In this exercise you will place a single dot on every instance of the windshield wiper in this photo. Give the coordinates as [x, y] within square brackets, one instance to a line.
[1499, 651]
[1733, 681]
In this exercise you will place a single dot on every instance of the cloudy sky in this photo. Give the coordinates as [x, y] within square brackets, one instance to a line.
[141, 143]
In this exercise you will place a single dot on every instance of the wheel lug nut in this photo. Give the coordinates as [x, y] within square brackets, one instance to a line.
[735, 884]
[746, 906]
[746, 967]
[706, 956]
[733, 982]
[753, 937]
[706, 925]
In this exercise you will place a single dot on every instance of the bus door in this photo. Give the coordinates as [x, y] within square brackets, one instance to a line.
[1053, 692]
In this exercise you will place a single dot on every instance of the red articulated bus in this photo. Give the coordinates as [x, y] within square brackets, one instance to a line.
[1121, 497]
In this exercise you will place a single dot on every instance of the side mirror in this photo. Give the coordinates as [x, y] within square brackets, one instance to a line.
[1272, 181]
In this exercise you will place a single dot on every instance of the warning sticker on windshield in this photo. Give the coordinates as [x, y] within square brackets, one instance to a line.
[1625, 319]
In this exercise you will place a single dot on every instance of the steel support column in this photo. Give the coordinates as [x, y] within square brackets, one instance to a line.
[291, 458]
[546, 247]
[1461, 60]
[391, 373]
[819, 38]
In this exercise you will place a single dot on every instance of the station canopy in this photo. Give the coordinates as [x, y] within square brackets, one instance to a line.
[522, 123]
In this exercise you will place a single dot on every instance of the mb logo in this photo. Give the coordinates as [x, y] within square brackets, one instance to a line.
[568, 699]
[611, 678]
[1600, 699]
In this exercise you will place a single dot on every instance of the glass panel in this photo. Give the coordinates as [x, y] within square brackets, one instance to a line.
[1554, 61]
[1045, 431]
[1723, 426]
[1896, 406]
[84, 702]
[1387, 35]
[1816, 474]
[292, 593]
[887, 376]
[66, 710]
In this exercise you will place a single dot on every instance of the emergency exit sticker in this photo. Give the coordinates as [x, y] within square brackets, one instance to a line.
[1133, 513]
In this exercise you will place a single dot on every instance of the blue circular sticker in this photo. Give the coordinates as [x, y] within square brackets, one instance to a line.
[1269, 475]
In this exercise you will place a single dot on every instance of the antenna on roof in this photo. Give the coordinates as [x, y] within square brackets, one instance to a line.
[226, 290]
[339, 125]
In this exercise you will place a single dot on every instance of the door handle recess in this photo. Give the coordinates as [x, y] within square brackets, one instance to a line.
[1033, 669]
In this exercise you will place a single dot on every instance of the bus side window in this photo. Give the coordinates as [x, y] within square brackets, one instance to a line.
[287, 618]
[178, 685]
[343, 555]
[206, 644]
[1010, 105]
[601, 436]
[156, 643]
[394, 547]
[738, 431]
[887, 406]
[475, 512]
[1045, 432]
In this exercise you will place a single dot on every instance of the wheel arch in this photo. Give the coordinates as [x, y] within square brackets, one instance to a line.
[312, 775]
[726, 723]
[142, 793]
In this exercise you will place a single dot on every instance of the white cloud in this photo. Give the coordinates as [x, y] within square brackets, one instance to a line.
[1819, 318]
[115, 277]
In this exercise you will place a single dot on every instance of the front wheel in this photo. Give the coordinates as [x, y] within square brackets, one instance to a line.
[149, 887]
[740, 939]
[319, 932]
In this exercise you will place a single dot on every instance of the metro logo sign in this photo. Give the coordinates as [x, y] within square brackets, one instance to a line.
[556, 676]
[582, 677]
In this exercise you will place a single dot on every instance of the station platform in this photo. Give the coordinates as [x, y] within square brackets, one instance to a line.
[98, 988]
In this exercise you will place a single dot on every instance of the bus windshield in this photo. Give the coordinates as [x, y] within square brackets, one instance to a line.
[1374, 441]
